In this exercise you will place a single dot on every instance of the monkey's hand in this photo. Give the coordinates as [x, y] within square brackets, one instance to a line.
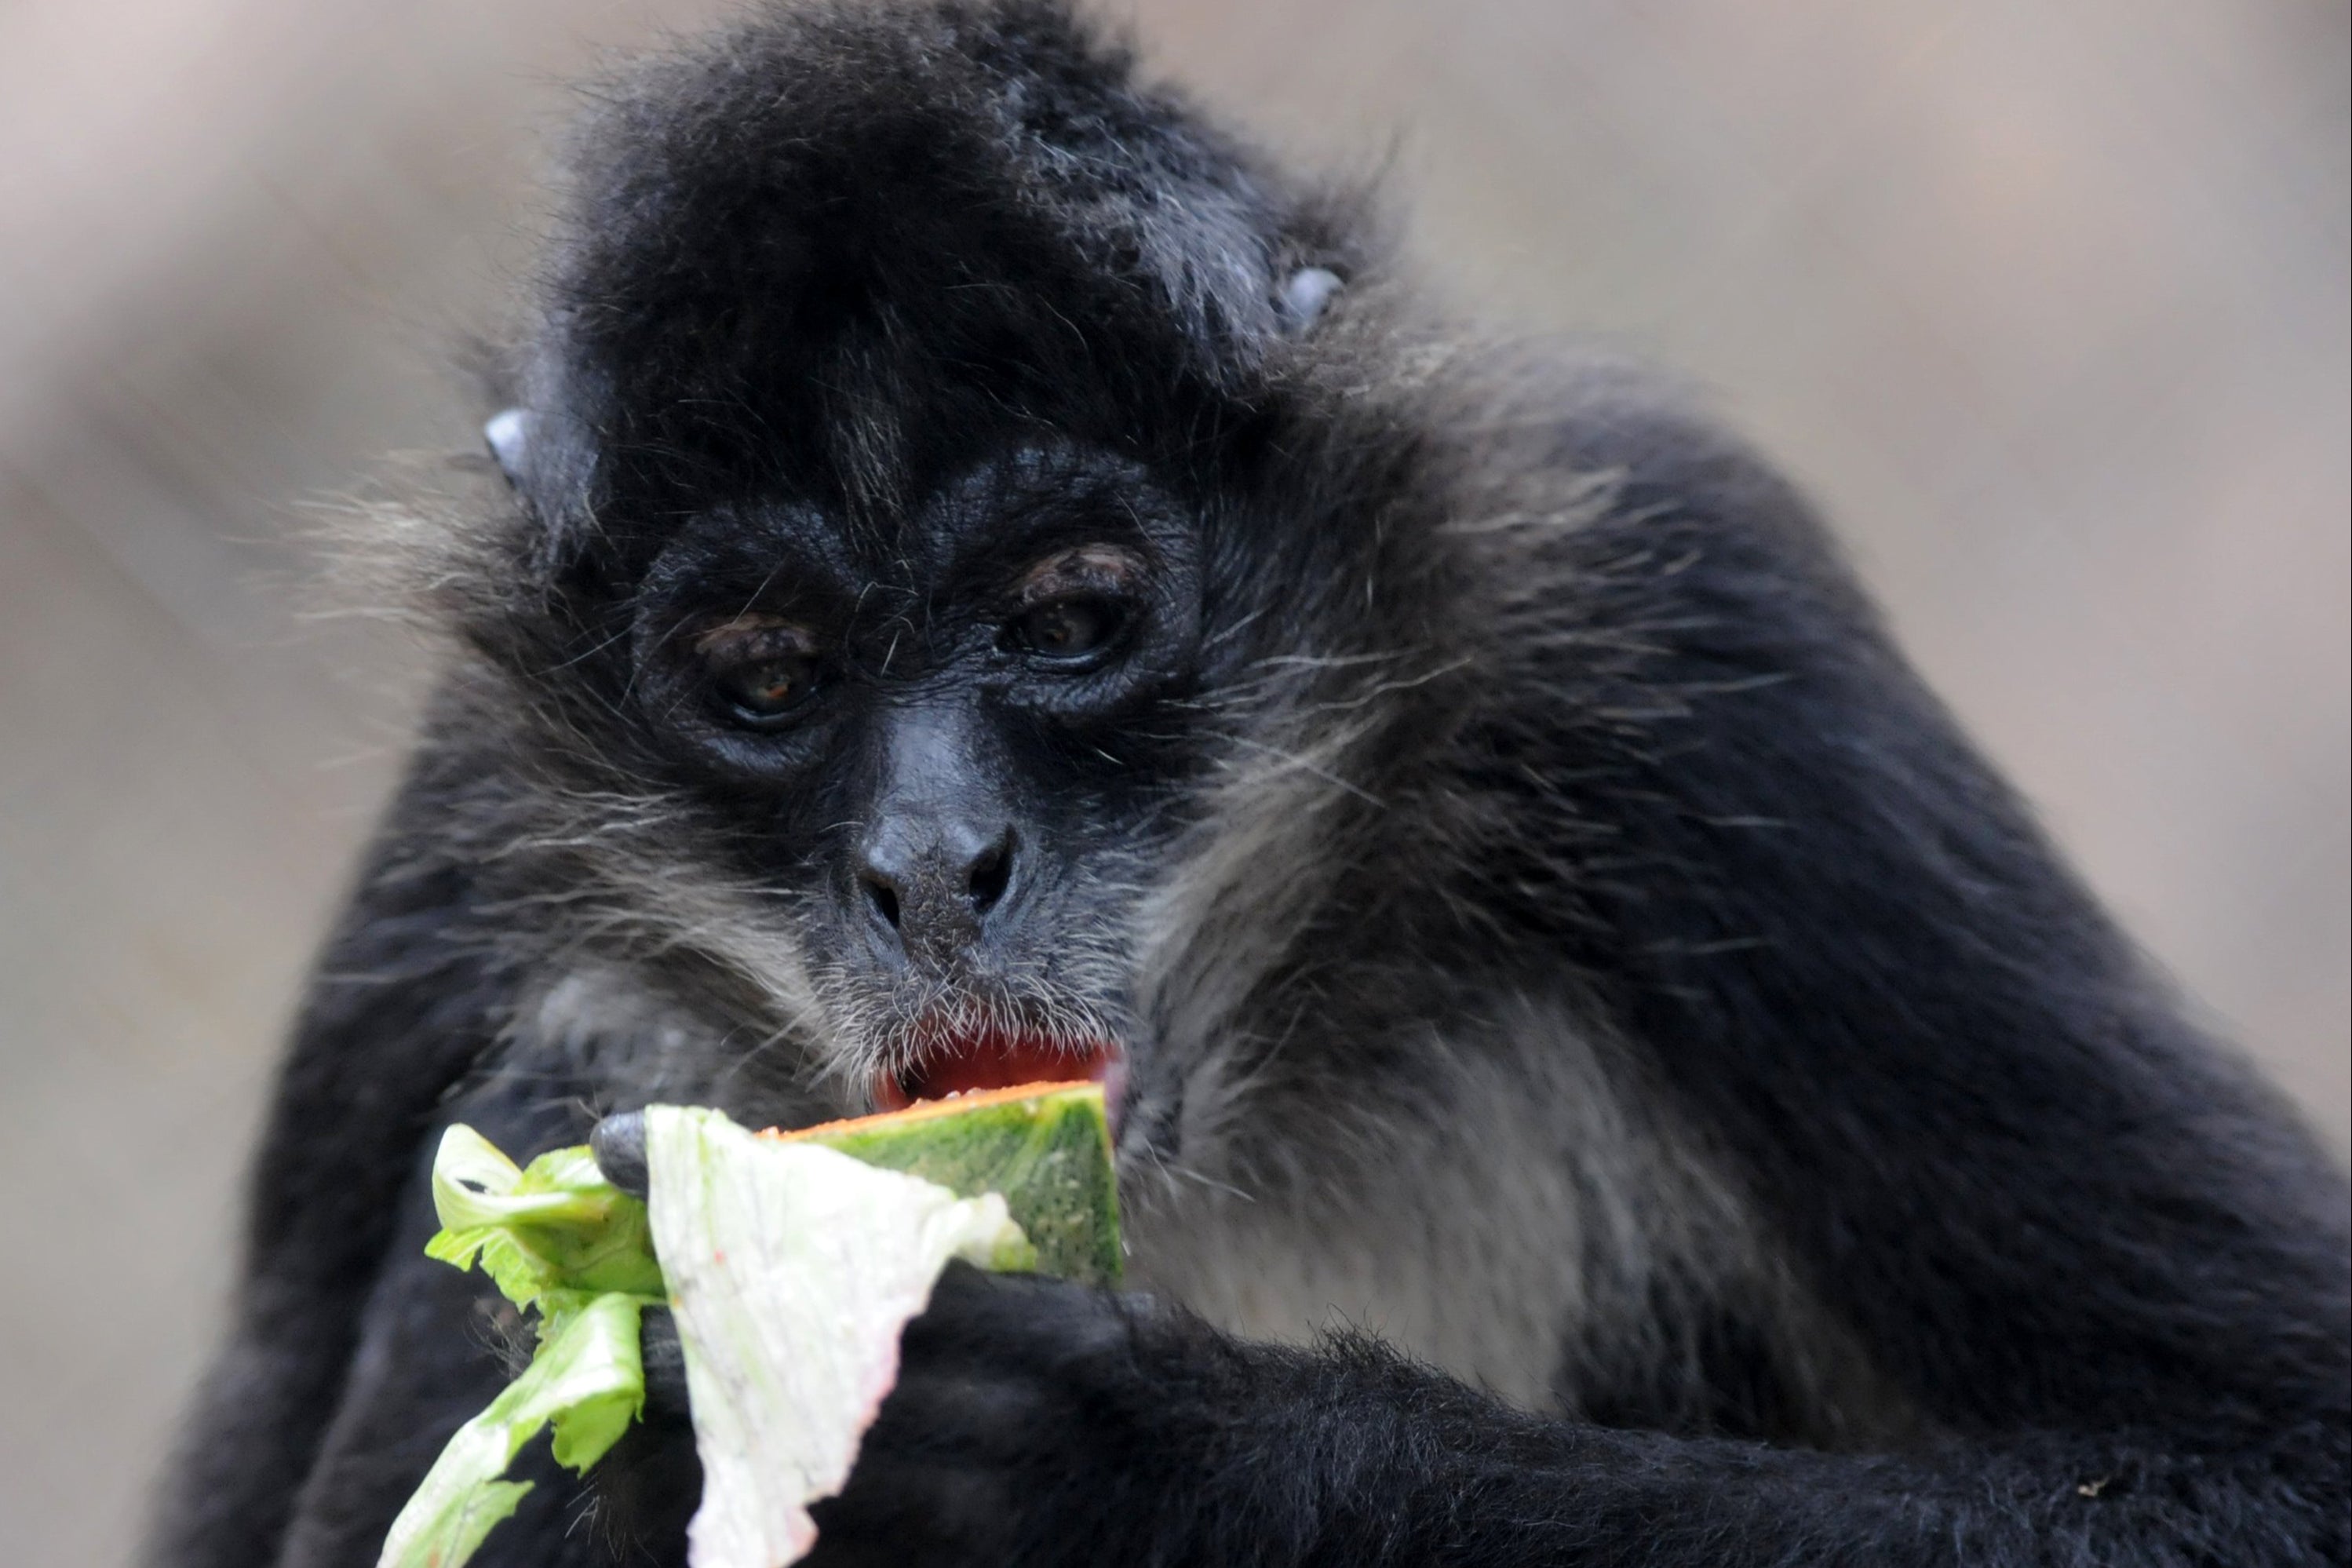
[1034, 1421]
[1022, 1429]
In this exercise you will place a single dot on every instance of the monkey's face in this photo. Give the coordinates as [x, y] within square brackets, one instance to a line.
[955, 738]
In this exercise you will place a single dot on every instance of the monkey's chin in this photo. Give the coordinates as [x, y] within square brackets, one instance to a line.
[961, 1064]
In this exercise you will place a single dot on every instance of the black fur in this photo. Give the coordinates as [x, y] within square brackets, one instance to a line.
[1511, 854]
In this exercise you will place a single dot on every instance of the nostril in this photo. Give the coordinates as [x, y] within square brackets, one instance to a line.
[992, 873]
[884, 901]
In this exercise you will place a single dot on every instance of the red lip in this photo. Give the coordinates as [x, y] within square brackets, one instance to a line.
[958, 1064]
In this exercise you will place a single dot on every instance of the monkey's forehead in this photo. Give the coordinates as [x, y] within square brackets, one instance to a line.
[857, 212]
[1009, 510]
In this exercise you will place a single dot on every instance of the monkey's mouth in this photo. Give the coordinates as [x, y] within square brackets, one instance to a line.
[960, 1061]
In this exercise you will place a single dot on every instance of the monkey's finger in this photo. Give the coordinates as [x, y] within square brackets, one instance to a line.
[1015, 1320]
[619, 1145]
[665, 1363]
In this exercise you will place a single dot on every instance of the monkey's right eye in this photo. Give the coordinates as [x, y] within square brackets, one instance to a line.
[761, 673]
[770, 688]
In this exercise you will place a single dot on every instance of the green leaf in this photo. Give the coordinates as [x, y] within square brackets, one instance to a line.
[790, 1346]
[553, 1224]
[588, 1380]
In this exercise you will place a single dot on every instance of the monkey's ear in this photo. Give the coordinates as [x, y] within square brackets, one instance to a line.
[509, 435]
[1305, 293]
[550, 465]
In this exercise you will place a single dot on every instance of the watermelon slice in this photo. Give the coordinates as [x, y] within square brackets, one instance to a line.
[1045, 1146]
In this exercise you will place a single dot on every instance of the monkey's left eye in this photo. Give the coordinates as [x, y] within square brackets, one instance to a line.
[1069, 628]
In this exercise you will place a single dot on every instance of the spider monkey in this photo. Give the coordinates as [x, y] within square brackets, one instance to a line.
[1002, 580]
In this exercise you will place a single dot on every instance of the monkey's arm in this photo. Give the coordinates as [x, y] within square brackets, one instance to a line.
[2068, 1230]
[403, 1006]
[1042, 1423]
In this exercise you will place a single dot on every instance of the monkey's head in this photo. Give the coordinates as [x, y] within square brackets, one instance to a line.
[930, 523]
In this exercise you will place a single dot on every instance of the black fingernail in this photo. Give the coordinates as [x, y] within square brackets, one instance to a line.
[619, 1144]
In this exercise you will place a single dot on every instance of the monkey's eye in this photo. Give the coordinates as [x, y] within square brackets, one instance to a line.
[760, 672]
[1071, 628]
[769, 688]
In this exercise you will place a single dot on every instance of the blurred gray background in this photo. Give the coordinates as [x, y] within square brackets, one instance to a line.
[2047, 302]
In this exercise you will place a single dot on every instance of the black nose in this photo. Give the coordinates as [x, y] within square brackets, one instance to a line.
[931, 891]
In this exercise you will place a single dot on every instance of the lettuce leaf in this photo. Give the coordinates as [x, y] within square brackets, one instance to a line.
[587, 1378]
[557, 1238]
[557, 1225]
[791, 1270]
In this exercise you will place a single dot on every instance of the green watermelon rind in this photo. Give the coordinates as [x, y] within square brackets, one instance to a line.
[1048, 1153]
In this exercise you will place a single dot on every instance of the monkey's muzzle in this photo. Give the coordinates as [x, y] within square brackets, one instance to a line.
[960, 1061]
